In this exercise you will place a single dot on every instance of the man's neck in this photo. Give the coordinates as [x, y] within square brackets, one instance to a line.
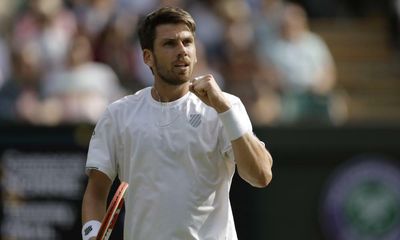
[168, 93]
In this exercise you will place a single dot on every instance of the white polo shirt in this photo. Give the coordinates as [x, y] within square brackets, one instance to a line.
[178, 162]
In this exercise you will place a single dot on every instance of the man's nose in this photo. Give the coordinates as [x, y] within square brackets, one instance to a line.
[182, 50]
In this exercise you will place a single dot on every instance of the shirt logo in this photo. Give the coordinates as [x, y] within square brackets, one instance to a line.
[195, 120]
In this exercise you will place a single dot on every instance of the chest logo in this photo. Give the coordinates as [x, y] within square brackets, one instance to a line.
[195, 120]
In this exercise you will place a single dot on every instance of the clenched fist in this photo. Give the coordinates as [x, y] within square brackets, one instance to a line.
[206, 88]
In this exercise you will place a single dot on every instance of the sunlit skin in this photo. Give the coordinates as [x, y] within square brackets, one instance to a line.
[172, 60]
[174, 53]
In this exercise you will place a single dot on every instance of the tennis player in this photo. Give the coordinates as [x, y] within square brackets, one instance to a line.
[176, 143]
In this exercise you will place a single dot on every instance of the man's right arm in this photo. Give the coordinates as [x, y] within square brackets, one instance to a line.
[94, 202]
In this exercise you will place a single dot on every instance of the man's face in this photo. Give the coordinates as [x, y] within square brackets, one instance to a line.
[174, 54]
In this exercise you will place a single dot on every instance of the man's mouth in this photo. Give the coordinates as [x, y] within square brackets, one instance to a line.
[181, 65]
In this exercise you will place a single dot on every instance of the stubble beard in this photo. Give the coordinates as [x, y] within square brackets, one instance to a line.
[168, 77]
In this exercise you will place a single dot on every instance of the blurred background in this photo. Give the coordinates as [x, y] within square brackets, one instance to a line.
[320, 80]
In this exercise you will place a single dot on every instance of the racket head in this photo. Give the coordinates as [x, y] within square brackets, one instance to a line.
[111, 216]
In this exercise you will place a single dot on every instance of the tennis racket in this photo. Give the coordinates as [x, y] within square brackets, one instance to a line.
[112, 213]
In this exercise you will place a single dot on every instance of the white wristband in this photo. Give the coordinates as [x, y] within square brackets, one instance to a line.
[235, 125]
[90, 229]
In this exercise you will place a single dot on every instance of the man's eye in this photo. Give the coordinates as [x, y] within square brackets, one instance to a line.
[169, 44]
[187, 42]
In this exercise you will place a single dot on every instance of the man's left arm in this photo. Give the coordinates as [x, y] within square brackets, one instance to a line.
[254, 162]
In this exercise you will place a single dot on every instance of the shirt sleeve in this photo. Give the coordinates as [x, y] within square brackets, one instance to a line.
[102, 148]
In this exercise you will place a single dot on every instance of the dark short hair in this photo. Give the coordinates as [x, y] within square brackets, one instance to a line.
[164, 15]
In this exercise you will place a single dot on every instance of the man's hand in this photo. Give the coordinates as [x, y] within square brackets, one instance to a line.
[206, 88]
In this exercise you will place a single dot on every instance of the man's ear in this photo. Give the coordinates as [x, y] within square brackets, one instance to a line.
[148, 58]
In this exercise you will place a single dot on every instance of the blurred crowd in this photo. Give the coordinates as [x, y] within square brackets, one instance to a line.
[64, 61]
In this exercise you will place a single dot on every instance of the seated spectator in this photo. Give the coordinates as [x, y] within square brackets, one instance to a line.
[85, 88]
[49, 26]
[94, 15]
[21, 94]
[303, 68]
[244, 75]
[210, 28]
[267, 21]
[113, 47]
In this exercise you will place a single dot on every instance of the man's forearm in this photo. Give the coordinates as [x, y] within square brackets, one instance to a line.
[253, 161]
[94, 203]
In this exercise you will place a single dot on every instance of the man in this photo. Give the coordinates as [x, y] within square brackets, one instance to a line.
[176, 144]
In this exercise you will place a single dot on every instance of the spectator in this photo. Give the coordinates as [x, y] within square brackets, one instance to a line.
[21, 94]
[266, 22]
[94, 15]
[210, 29]
[113, 47]
[49, 26]
[245, 76]
[303, 68]
[84, 88]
